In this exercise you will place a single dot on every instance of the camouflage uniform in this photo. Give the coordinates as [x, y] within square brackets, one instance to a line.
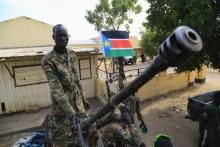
[132, 104]
[65, 89]
[121, 135]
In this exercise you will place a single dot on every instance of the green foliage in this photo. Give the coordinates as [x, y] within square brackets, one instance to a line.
[113, 14]
[164, 16]
[148, 42]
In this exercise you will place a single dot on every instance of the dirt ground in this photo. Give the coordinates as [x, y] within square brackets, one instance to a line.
[165, 114]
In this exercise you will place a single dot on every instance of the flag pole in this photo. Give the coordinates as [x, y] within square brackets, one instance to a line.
[106, 80]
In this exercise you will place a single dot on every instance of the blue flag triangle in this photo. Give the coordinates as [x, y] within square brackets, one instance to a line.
[106, 45]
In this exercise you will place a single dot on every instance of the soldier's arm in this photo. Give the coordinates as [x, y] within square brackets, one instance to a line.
[138, 110]
[80, 89]
[143, 125]
[78, 84]
[135, 137]
[57, 89]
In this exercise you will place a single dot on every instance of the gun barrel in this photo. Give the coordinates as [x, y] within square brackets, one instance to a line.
[181, 44]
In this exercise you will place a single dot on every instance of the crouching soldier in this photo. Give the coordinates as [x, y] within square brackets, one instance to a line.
[123, 132]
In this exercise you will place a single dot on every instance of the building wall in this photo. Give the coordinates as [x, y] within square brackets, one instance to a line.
[160, 84]
[101, 91]
[84, 45]
[23, 32]
[138, 52]
[20, 95]
[20, 98]
[200, 75]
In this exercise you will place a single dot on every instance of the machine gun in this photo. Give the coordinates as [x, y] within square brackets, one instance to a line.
[180, 45]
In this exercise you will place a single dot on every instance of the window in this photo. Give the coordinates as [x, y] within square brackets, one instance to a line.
[28, 75]
[85, 71]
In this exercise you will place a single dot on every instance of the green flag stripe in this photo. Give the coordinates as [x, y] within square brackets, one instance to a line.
[121, 52]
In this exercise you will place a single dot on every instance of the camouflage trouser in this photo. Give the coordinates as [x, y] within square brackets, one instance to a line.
[59, 132]
[115, 133]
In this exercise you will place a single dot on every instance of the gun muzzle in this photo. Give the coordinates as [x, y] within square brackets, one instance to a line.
[181, 44]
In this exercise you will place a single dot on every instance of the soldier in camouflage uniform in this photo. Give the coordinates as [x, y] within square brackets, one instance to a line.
[122, 132]
[125, 132]
[121, 135]
[133, 106]
[59, 66]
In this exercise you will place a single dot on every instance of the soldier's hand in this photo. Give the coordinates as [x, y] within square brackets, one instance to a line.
[86, 104]
[124, 114]
[143, 127]
[73, 120]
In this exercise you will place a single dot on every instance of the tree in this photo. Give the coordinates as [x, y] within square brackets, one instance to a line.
[148, 43]
[164, 16]
[111, 15]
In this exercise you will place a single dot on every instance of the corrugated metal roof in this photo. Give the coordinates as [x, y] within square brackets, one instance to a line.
[36, 51]
[74, 42]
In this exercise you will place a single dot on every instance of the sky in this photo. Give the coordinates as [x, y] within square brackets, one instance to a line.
[71, 13]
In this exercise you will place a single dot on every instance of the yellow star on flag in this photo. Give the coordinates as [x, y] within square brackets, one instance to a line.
[106, 43]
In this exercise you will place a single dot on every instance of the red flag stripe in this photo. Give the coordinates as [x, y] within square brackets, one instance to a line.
[121, 43]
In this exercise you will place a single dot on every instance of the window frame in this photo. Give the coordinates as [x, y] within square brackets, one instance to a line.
[81, 69]
[23, 66]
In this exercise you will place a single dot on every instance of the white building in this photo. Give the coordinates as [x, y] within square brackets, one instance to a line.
[23, 84]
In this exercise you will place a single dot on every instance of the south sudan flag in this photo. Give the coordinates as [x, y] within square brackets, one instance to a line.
[116, 44]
